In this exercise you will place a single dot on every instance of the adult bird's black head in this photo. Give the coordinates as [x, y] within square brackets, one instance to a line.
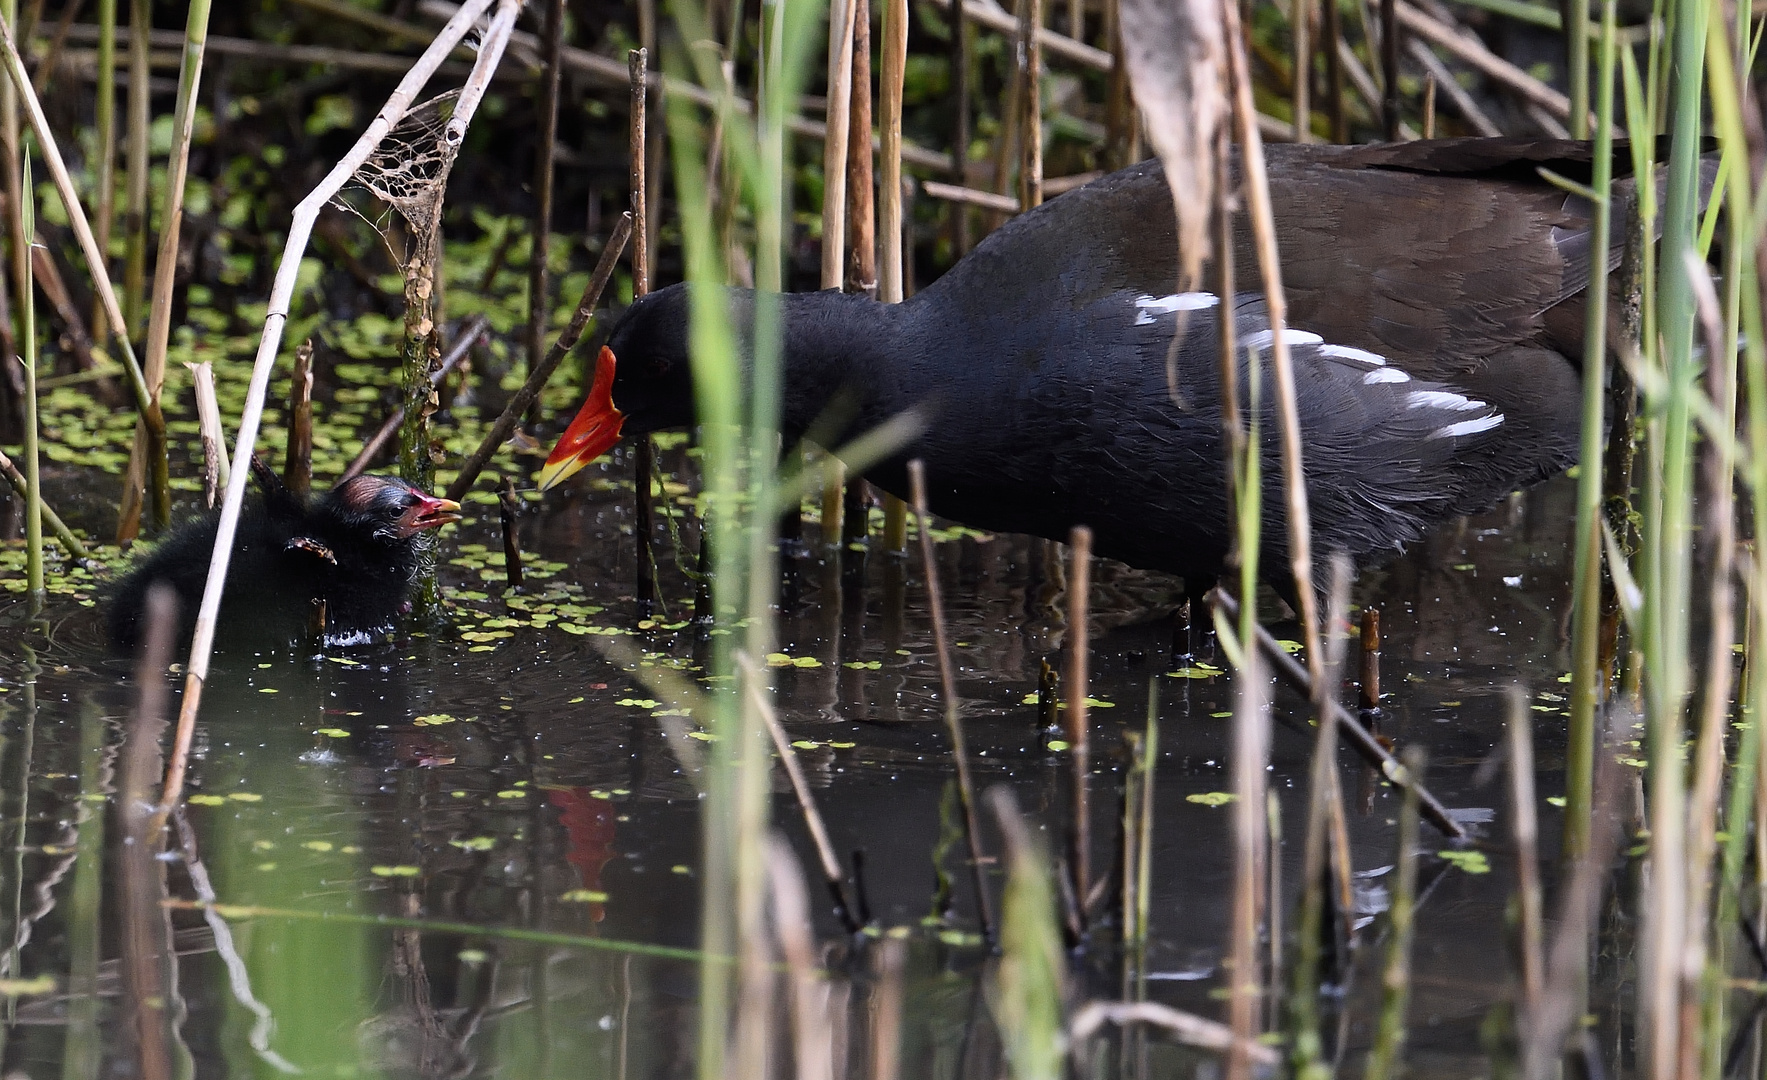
[343, 563]
[1434, 315]
[645, 363]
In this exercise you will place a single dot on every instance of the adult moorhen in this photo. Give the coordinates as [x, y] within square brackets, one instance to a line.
[345, 561]
[1433, 313]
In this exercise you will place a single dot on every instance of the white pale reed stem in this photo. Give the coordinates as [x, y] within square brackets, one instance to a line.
[281, 293]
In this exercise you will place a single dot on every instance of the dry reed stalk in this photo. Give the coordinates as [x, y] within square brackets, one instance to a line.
[861, 200]
[139, 105]
[1334, 74]
[214, 438]
[23, 215]
[165, 270]
[22, 488]
[834, 220]
[1301, 103]
[1078, 719]
[834, 147]
[958, 59]
[105, 131]
[992, 16]
[1257, 190]
[540, 249]
[567, 340]
[1472, 53]
[1029, 52]
[1366, 745]
[1389, 69]
[948, 688]
[105, 124]
[1187, 1028]
[886, 1024]
[952, 193]
[276, 316]
[612, 73]
[1442, 79]
[1005, 150]
[643, 450]
[455, 356]
[297, 463]
[811, 1041]
[1251, 749]
[1120, 116]
[1526, 824]
[893, 50]
[539, 285]
[861, 231]
[1709, 748]
[1368, 692]
[755, 684]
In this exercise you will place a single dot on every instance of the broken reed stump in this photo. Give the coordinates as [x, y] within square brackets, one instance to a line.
[297, 462]
[509, 508]
[1078, 733]
[1369, 696]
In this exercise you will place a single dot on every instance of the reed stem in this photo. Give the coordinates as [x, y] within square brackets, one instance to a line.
[135, 204]
[105, 131]
[165, 269]
[644, 451]
[948, 688]
[1078, 718]
[1251, 750]
[893, 49]
[26, 219]
[1587, 689]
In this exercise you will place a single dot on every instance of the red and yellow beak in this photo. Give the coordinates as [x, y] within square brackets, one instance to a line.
[593, 433]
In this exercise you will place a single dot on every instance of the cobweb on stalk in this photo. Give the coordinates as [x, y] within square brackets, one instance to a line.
[409, 169]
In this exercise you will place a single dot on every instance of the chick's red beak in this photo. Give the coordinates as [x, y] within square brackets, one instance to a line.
[428, 512]
[593, 433]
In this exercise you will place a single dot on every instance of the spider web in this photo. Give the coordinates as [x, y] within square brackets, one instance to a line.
[409, 169]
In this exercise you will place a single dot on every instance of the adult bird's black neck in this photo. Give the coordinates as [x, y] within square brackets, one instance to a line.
[848, 364]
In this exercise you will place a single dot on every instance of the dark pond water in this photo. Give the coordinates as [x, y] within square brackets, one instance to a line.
[501, 772]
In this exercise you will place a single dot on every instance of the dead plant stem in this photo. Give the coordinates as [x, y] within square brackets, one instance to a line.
[948, 689]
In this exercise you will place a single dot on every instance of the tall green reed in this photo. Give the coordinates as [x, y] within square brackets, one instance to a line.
[737, 390]
[1586, 681]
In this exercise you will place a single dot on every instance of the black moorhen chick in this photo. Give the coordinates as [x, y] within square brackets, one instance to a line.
[355, 551]
[1433, 316]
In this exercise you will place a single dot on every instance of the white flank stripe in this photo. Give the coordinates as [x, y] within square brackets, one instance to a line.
[1381, 375]
[1441, 399]
[1263, 339]
[1468, 427]
[1361, 356]
[1166, 305]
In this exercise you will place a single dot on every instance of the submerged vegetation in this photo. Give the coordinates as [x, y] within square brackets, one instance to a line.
[770, 634]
